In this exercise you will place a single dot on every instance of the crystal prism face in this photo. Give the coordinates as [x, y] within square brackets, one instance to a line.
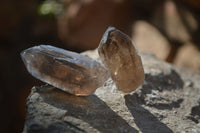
[120, 56]
[69, 71]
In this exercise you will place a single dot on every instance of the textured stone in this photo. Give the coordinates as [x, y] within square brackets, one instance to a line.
[120, 56]
[69, 71]
[167, 102]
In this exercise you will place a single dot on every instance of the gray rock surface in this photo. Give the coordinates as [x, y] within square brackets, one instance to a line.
[168, 101]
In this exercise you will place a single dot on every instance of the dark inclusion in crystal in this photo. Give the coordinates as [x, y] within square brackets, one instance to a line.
[121, 58]
[69, 71]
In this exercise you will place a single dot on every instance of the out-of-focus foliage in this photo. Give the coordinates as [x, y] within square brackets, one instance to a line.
[50, 8]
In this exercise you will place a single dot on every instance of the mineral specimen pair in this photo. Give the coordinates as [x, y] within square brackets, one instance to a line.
[80, 75]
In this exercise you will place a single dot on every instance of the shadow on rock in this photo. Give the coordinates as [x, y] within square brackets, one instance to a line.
[168, 106]
[195, 114]
[160, 83]
[163, 81]
[90, 109]
[145, 120]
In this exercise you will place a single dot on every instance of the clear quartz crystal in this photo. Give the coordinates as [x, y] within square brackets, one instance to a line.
[121, 58]
[69, 71]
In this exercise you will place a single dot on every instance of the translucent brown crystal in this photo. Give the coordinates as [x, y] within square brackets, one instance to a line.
[120, 56]
[69, 71]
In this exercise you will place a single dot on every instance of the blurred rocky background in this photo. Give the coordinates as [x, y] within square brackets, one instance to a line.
[170, 29]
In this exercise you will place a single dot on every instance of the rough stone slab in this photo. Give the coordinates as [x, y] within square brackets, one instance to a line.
[168, 101]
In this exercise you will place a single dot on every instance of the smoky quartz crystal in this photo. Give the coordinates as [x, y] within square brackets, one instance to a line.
[122, 60]
[69, 71]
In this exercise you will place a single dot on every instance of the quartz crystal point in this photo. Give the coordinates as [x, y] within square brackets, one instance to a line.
[69, 71]
[121, 58]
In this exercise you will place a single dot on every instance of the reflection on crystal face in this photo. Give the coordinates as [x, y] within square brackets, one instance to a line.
[69, 71]
[120, 56]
